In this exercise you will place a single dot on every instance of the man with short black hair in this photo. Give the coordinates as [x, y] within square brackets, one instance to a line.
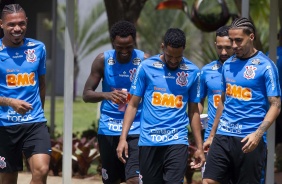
[116, 69]
[166, 83]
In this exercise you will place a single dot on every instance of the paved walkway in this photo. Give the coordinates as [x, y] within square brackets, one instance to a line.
[24, 178]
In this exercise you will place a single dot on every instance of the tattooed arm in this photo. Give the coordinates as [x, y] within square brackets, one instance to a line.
[254, 138]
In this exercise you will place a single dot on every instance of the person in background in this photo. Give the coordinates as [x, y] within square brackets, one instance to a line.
[116, 69]
[250, 103]
[23, 128]
[211, 77]
[278, 125]
[166, 83]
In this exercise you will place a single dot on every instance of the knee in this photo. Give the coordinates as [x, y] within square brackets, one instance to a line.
[41, 170]
[133, 180]
[209, 181]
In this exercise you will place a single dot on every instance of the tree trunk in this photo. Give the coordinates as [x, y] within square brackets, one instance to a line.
[123, 10]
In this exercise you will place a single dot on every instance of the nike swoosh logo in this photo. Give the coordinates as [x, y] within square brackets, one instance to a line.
[4, 59]
[212, 77]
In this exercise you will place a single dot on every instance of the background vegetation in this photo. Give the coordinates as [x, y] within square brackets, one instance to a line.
[84, 115]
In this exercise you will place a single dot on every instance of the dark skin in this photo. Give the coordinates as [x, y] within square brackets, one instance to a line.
[123, 47]
[14, 26]
[172, 57]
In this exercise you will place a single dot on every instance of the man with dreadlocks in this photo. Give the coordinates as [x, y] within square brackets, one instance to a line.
[250, 104]
[22, 89]
[167, 83]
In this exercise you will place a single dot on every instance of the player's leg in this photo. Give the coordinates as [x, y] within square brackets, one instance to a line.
[151, 164]
[132, 163]
[39, 167]
[217, 166]
[112, 167]
[11, 160]
[174, 167]
[250, 167]
[37, 150]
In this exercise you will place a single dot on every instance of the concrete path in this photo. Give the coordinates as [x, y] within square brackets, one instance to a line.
[24, 178]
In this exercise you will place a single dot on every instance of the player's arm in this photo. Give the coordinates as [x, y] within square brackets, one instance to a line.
[272, 113]
[201, 105]
[216, 121]
[93, 80]
[42, 89]
[129, 116]
[19, 106]
[194, 118]
[97, 73]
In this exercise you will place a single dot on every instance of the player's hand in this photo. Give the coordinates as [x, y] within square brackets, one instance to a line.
[198, 159]
[118, 96]
[207, 143]
[252, 141]
[20, 106]
[122, 147]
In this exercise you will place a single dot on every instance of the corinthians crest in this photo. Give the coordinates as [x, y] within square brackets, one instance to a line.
[250, 72]
[182, 79]
[30, 55]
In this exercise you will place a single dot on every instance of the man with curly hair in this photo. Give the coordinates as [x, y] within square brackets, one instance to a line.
[116, 69]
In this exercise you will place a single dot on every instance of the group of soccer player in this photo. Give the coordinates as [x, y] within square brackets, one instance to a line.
[148, 142]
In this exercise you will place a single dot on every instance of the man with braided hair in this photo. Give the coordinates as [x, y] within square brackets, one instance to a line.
[167, 83]
[22, 94]
[116, 67]
[250, 103]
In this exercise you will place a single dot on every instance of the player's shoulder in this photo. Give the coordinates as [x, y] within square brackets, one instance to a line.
[214, 65]
[30, 42]
[261, 59]
[137, 51]
[153, 61]
[188, 64]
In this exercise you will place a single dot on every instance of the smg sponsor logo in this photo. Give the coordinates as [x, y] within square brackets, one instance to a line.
[238, 92]
[167, 100]
[20, 79]
[15, 117]
[116, 125]
[163, 135]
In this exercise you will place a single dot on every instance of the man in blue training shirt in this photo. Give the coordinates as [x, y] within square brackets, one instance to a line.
[278, 127]
[250, 103]
[211, 76]
[116, 69]
[23, 127]
[166, 83]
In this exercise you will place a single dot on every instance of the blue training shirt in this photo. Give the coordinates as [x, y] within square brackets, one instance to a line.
[165, 96]
[279, 64]
[211, 88]
[20, 68]
[247, 84]
[118, 76]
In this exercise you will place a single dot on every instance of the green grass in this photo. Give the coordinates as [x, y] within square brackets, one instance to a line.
[84, 114]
